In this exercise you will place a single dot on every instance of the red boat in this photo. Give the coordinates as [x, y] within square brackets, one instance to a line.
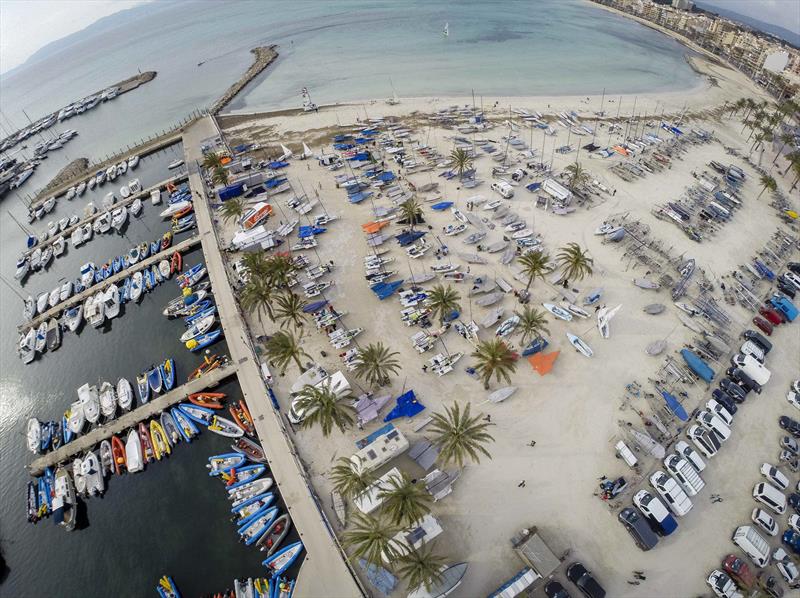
[118, 452]
[147, 444]
[176, 263]
[242, 417]
[207, 399]
[166, 240]
[763, 325]
[771, 315]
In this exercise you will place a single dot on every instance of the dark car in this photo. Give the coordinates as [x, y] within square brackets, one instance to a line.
[554, 589]
[794, 267]
[587, 584]
[739, 571]
[763, 325]
[638, 528]
[759, 339]
[793, 501]
[743, 379]
[736, 392]
[785, 287]
[724, 399]
[792, 539]
[790, 425]
[770, 585]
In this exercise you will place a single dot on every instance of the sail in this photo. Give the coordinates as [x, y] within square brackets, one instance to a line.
[446, 31]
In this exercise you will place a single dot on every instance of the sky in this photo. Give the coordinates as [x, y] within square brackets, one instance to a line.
[27, 25]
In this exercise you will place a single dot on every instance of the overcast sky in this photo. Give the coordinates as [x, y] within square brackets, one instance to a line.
[27, 25]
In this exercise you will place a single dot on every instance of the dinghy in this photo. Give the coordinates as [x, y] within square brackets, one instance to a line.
[168, 373]
[133, 453]
[118, 455]
[241, 415]
[654, 308]
[124, 394]
[251, 449]
[204, 340]
[225, 427]
[154, 379]
[255, 528]
[161, 446]
[202, 415]
[271, 539]
[108, 400]
[143, 387]
[644, 283]
[186, 426]
[250, 508]
[106, 458]
[170, 428]
[207, 399]
[574, 309]
[147, 443]
[241, 494]
[580, 345]
[501, 394]
[218, 464]
[283, 559]
[558, 311]
[489, 299]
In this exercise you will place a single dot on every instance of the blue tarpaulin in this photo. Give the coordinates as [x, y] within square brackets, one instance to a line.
[442, 205]
[387, 176]
[359, 197]
[369, 131]
[276, 165]
[231, 191]
[315, 306]
[340, 138]
[360, 157]
[309, 231]
[407, 406]
[272, 183]
[697, 365]
[408, 238]
[343, 146]
[386, 289]
[362, 140]
[533, 187]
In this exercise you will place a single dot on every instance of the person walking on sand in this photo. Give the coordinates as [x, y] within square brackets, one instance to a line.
[532, 443]
[521, 484]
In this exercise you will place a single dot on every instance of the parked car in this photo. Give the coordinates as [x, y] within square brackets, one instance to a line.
[736, 392]
[687, 452]
[793, 277]
[715, 424]
[775, 476]
[722, 585]
[743, 379]
[786, 287]
[752, 367]
[705, 441]
[790, 425]
[794, 267]
[770, 496]
[753, 349]
[794, 522]
[789, 572]
[716, 408]
[585, 582]
[739, 571]
[771, 315]
[684, 474]
[770, 585]
[657, 514]
[792, 539]
[793, 500]
[756, 337]
[790, 444]
[671, 492]
[554, 589]
[765, 521]
[763, 325]
[794, 399]
[638, 528]
[724, 399]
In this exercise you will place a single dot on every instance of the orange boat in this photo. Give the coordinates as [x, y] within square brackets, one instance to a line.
[209, 363]
[207, 399]
[118, 452]
[256, 215]
[242, 417]
[187, 210]
[171, 187]
[176, 263]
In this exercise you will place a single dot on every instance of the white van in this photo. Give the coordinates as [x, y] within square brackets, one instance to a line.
[752, 348]
[684, 474]
[504, 189]
[769, 495]
[624, 453]
[752, 368]
[753, 544]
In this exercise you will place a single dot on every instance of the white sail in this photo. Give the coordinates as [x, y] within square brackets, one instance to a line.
[307, 153]
[287, 153]
[446, 31]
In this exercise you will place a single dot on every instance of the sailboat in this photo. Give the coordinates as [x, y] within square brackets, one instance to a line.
[446, 31]
[308, 105]
[394, 100]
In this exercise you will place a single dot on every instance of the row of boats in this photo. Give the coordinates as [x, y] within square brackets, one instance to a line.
[260, 587]
[195, 305]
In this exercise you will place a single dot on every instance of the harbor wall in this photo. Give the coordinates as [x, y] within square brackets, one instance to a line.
[264, 56]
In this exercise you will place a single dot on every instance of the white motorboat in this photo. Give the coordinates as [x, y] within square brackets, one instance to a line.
[122, 168]
[136, 287]
[40, 342]
[175, 164]
[111, 301]
[89, 209]
[93, 474]
[108, 400]
[73, 317]
[88, 232]
[59, 246]
[111, 173]
[90, 401]
[118, 218]
[54, 297]
[87, 274]
[76, 238]
[81, 188]
[23, 266]
[34, 435]
[133, 453]
[133, 162]
[103, 223]
[199, 327]
[136, 207]
[155, 197]
[124, 394]
[66, 291]
[30, 308]
[109, 200]
[134, 186]
[92, 182]
[125, 192]
[62, 224]
[36, 258]
[73, 220]
[580, 345]
[94, 311]
[41, 302]
[27, 349]
[175, 208]
[77, 474]
[49, 204]
[76, 419]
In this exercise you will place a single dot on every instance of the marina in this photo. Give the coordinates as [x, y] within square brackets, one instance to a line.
[128, 420]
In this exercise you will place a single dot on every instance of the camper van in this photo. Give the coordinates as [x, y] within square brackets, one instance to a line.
[503, 189]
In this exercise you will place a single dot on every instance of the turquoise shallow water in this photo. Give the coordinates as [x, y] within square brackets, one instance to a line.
[172, 518]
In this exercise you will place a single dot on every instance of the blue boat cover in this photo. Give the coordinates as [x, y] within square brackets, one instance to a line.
[340, 138]
[360, 157]
[675, 406]
[359, 197]
[386, 289]
[309, 231]
[387, 176]
[697, 365]
[535, 346]
[315, 306]
[343, 146]
[409, 237]
[272, 183]
[407, 406]
[278, 164]
[369, 131]
[362, 140]
[379, 577]
[533, 187]
[442, 205]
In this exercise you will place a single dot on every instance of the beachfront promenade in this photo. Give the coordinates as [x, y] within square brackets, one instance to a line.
[121, 424]
[324, 572]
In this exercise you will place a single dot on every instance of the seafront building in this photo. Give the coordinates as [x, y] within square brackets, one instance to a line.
[772, 63]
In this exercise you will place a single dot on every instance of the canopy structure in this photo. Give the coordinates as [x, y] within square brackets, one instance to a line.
[316, 306]
[543, 362]
[387, 176]
[359, 157]
[407, 406]
[386, 289]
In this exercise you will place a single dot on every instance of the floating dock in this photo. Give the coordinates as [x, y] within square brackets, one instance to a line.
[130, 419]
[143, 195]
[181, 247]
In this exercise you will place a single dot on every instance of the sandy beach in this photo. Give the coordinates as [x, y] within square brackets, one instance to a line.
[574, 413]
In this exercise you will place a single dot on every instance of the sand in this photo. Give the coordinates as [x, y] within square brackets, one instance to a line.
[572, 413]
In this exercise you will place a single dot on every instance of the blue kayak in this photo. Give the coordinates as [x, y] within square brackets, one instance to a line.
[203, 340]
[442, 205]
[697, 365]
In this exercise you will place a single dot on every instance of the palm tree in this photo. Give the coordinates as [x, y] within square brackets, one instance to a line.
[232, 209]
[255, 264]
[796, 173]
[535, 264]
[403, 500]
[793, 158]
[220, 176]
[767, 182]
[421, 567]
[279, 269]
[738, 105]
[212, 161]
[411, 212]
[575, 262]
[349, 479]
[289, 310]
[785, 138]
[577, 175]
[459, 436]
[371, 538]
[323, 406]
[494, 358]
[443, 300]
[461, 160]
[257, 296]
[283, 347]
[375, 362]
[532, 323]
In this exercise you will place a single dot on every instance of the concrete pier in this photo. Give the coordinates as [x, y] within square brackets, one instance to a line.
[181, 247]
[130, 419]
[325, 571]
[144, 195]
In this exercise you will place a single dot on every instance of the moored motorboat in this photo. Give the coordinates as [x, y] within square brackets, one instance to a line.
[170, 428]
[143, 387]
[108, 400]
[283, 559]
[224, 427]
[93, 474]
[207, 399]
[161, 445]
[118, 454]
[106, 458]
[90, 402]
[168, 373]
[219, 464]
[250, 448]
[239, 495]
[124, 394]
[77, 418]
[77, 475]
[34, 435]
[241, 415]
[154, 379]
[271, 540]
[202, 415]
[251, 531]
[250, 508]
[147, 444]
[133, 453]
[186, 426]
